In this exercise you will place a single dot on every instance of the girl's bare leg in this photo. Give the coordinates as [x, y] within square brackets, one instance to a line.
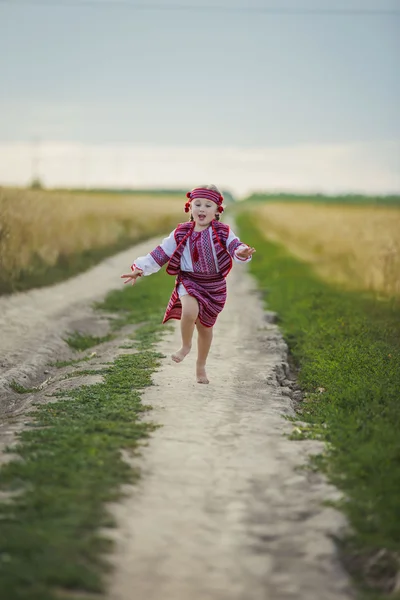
[190, 311]
[204, 339]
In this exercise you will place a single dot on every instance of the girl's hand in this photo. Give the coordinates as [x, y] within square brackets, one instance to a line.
[245, 252]
[131, 277]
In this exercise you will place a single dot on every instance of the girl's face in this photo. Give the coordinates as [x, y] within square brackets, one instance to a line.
[203, 211]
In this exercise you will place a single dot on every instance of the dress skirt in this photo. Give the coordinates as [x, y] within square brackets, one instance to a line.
[209, 291]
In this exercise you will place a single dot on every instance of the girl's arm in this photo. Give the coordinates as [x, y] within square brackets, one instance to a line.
[152, 262]
[239, 251]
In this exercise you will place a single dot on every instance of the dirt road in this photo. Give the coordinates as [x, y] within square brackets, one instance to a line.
[222, 510]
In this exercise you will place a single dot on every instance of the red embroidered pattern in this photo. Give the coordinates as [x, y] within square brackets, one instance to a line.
[205, 262]
[219, 235]
[209, 291]
[159, 256]
[233, 245]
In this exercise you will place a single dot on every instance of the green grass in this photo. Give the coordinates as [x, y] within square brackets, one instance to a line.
[20, 389]
[75, 361]
[349, 345]
[87, 372]
[69, 465]
[388, 200]
[81, 341]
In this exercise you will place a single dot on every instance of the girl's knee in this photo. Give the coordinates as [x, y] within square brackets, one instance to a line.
[190, 314]
[190, 311]
[203, 330]
[190, 308]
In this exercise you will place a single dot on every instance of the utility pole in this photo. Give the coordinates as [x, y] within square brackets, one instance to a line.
[84, 167]
[35, 161]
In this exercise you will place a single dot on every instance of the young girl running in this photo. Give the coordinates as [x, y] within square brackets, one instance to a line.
[199, 252]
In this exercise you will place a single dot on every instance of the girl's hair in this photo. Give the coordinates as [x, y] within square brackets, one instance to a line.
[214, 188]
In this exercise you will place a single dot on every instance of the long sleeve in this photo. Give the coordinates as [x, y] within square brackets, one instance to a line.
[233, 244]
[152, 262]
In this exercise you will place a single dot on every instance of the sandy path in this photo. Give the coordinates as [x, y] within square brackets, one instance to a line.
[221, 512]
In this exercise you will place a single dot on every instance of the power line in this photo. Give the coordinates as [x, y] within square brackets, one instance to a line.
[204, 8]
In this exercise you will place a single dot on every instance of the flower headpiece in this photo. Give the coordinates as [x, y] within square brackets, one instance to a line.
[205, 193]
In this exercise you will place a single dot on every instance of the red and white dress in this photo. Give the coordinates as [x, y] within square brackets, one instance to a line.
[201, 260]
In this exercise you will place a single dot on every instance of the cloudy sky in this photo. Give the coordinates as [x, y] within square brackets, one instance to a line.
[103, 92]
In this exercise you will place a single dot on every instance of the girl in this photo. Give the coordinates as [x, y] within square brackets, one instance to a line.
[199, 252]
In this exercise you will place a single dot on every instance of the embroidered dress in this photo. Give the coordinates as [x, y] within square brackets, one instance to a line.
[209, 291]
[201, 260]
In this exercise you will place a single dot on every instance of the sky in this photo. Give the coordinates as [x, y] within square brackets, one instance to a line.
[99, 92]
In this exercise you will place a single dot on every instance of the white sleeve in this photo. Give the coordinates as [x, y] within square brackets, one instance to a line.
[152, 262]
[147, 264]
[233, 244]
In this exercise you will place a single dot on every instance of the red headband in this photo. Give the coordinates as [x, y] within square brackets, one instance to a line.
[204, 193]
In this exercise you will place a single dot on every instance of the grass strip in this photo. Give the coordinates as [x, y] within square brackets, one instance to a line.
[347, 345]
[69, 464]
[344, 199]
[75, 361]
[21, 389]
[81, 341]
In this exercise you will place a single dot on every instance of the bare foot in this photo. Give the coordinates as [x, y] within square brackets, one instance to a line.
[201, 374]
[180, 355]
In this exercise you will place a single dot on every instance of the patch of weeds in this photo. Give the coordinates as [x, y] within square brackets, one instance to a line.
[68, 363]
[136, 304]
[20, 389]
[307, 432]
[150, 331]
[80, 341]
[69, 466]
[86, 372]
[346, 347]
[371, 568]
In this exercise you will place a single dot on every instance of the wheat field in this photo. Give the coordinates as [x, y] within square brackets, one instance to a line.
[357, 246]
[44, 226]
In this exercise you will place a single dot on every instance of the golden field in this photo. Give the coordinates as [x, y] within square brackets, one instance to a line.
[358, 246]
[45, 226]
